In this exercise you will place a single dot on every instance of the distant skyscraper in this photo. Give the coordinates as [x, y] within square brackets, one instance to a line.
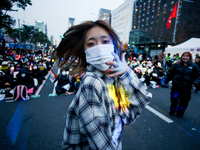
[46, 29]
[40, 25]
[52, 39]
[71, 22]
[105, 14]
[122, 18]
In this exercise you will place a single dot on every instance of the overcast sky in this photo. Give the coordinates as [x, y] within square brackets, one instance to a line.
[56, 13]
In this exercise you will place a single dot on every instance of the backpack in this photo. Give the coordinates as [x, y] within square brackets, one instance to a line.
[20, 92]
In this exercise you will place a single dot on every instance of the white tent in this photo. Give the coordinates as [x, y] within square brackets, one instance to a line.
[192, 45]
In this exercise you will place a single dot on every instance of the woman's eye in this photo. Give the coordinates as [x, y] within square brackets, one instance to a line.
[105, 42]
[91, 44]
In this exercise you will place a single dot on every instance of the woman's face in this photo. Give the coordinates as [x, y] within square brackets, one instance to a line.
[96, 36]
[185, 58]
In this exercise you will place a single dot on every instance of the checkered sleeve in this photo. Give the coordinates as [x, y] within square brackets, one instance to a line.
[91, 115]
[138, 98]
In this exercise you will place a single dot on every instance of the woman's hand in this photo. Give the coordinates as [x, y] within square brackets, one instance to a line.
[120, 66]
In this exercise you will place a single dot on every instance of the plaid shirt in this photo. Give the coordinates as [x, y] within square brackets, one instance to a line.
[92, 117]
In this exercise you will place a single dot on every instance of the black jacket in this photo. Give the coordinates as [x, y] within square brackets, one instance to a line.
[62, 80]
[183, 76]
[37, 73]
[198, 63]
[27, 80]
[6, 79]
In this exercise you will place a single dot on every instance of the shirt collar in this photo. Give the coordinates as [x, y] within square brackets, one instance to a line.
[98, 73]
[92, 69]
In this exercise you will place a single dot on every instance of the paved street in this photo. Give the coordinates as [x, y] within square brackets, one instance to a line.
[37, 124]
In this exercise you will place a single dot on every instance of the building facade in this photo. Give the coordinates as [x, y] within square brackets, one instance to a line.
[105, 14]
[40, 25]
[53, 41]
[151, 16]
[71, 22]
[121, 20]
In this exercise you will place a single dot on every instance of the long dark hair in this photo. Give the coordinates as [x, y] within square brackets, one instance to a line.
[71, 47]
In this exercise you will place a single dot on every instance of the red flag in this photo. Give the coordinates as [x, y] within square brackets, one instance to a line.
[172, 15]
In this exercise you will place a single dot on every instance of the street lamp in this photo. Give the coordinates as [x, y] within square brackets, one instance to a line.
[93, 14]
[177, 17]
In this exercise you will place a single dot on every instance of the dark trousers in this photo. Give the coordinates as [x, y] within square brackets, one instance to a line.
[180, 98]
[147, 80]
[157, 80]
[60, 90]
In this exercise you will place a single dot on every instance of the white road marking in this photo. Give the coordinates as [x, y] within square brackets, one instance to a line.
[40, 87]
[54, 88]
[159, 114]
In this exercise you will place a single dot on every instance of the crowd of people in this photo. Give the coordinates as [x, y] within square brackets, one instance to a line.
[27, 67]
[153, 70]
[22, 72]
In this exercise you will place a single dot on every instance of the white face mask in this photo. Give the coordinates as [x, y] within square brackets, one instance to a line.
[34, 67]
[23, 75]
[64, 73]
[98, 55]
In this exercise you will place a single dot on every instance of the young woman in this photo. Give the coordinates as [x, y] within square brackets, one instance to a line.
[110, 93]
[184, 74]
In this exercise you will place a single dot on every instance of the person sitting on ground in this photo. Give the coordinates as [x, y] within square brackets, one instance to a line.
[6, 83]
[37, 74]
[157, 73]
[42, 68]
[24, 78]
[63, 79]
[30, 59]
[18, 67]
[10, 71]
[138, 72]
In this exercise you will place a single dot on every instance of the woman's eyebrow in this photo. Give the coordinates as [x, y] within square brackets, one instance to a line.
[104, 36]
[92, 38]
